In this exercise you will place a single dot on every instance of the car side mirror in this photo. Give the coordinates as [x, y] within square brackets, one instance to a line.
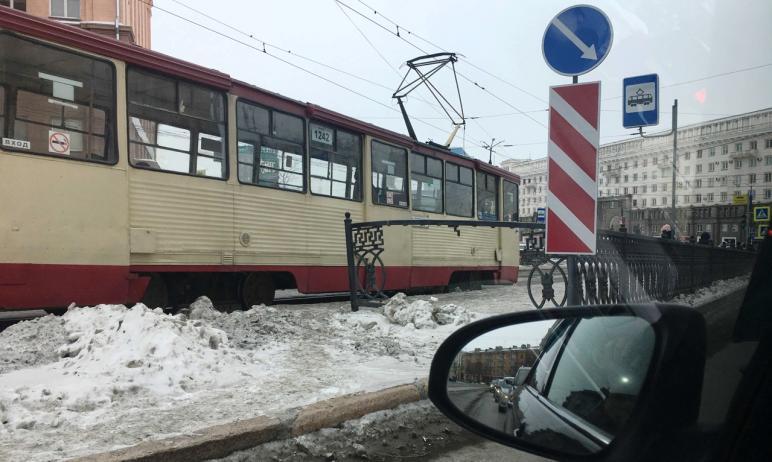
[589, 383]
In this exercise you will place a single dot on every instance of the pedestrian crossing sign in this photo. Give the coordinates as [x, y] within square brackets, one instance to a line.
[761, 213]
[761, 231]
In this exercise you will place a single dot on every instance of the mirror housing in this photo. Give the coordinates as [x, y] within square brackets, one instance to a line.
[668, 400]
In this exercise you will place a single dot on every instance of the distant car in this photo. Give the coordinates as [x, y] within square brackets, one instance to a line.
[505, 396]
[493, 385]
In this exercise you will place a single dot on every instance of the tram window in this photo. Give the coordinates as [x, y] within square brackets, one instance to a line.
[176, 126]
[288, 127]
[64, 102]
[510, 201]
[487, 197]
[336, 163]
[459, 193]
[271, 161]
[426, 183]
[389, 174]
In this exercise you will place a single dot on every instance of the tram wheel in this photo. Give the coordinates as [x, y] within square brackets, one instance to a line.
[256, 289]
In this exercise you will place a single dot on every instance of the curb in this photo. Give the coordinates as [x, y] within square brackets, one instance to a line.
[221, 440]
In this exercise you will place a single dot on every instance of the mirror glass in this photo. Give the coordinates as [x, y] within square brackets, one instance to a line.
[568, 385]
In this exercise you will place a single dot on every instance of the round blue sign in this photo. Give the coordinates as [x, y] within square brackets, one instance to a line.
[577, 40]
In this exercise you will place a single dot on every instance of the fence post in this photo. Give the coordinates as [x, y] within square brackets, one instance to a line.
[352, 281]
[573, 298]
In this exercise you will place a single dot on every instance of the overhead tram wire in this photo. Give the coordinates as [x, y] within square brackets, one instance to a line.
[466, 60]
[686, 82]
[383, 58]
[248, 45]
[396, 34]
[290, 52]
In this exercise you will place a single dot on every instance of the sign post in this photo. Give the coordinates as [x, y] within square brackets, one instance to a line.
[575, 42]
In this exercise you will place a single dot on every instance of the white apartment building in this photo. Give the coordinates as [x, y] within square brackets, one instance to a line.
[717, 160]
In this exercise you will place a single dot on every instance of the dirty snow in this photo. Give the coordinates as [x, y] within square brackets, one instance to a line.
[99, 378]
[713, 292]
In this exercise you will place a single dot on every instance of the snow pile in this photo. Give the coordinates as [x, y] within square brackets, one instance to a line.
[424, 314]
[712, 292]
[203, 308]
[31, 343]
[115, 355]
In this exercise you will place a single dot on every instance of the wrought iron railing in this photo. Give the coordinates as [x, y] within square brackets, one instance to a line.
[365, 244]
[627, 268]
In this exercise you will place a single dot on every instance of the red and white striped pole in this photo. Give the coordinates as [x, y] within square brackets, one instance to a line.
[572, 173]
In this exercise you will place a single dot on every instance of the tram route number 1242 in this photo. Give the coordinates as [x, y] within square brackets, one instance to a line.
[321, 135]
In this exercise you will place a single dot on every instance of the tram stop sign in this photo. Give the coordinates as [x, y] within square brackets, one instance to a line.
[577, 40]
[640, 102]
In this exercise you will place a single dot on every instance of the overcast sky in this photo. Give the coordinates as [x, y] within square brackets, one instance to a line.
[681, 41]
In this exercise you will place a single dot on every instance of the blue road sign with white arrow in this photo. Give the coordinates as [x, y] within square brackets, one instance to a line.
[640, 102]
[577, 40]
[540, 214]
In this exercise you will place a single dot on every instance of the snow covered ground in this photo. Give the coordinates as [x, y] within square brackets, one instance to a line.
[103, 377]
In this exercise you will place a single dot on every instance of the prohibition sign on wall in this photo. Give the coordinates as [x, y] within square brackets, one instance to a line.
[58, 142]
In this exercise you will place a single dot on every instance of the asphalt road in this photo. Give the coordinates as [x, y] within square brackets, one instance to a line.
[476, 401]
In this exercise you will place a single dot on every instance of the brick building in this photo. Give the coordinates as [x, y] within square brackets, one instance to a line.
[129, 20]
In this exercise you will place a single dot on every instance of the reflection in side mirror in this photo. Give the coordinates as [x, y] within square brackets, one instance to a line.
[568, 385]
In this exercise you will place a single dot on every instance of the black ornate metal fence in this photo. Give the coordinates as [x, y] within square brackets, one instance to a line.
[365, 244]
[627, 268]
[630, 268]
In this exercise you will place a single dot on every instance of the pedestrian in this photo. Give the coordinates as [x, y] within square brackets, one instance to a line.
[666, 232]
[704, 238]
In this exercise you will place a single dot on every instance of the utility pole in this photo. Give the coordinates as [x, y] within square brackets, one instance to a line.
[675, 167]
[490, 147]
[673, 131]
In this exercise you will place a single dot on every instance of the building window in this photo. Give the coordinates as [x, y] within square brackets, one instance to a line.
[389, 164]
[712, 152]
[664, 200]
[724, 165]
[686, 199]
[768, 194]
[336, 162]
[738, 147]
[510, 201]
[426, 183]
[175, 126]
[654, 161]
[69, 9]
[63, 103]
[767, 177]
[487, 197]
[768, 143]
[752, 178]
[753, 145]
[654, 201]
[697, 198]
[710, 197]
[635, 203]
[645, 161]
[687, 155]
[738, 164]
[698, 183]
[654, 187]
[20, 5]
[643, 189]
[644, 202]
[635, 189]
[625, 190]
[699, 153]
[699, 168]
[738, 180]
[752, 162]
[724, 196]
[725, 149]
[635, 177]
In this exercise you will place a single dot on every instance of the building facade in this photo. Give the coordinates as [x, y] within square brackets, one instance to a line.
[485, 365]
[127, 20]
[718, 165]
